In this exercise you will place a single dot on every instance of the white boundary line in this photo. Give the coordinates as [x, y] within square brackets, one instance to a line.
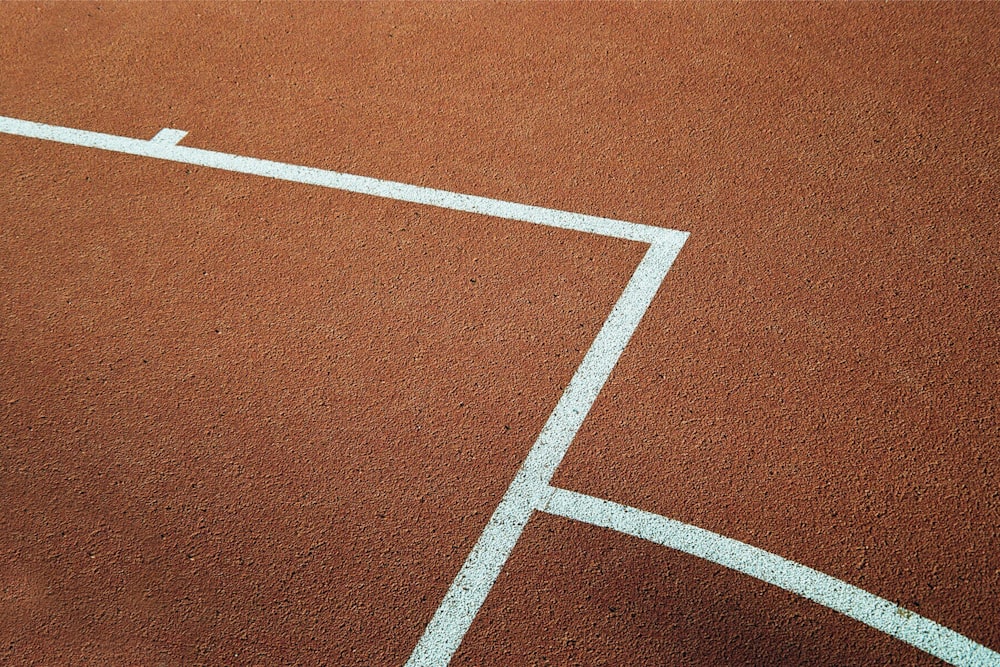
[530, 489]
[823, 589]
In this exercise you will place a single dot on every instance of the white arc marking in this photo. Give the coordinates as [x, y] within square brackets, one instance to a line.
[823, 589]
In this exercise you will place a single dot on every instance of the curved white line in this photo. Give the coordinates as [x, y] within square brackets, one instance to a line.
[828, 591]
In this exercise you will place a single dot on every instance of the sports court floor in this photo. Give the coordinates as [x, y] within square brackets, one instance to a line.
[499, 334]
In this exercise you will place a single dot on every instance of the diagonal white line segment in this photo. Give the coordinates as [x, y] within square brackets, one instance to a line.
[469, 589]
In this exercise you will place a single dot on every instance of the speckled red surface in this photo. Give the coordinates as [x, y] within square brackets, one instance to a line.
[246, 422]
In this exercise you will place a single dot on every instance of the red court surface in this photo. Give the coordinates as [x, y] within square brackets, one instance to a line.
[258, 415]
[246, 421]
[641, 604]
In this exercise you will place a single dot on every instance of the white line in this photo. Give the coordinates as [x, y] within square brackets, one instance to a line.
[852, 601]
[331, 179]
[169, 136]
[468, 591]
[530, 489]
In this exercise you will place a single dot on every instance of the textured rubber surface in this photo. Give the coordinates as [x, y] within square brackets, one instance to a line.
[249, 421]
[821, 381]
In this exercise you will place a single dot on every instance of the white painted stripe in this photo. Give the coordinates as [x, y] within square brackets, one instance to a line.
[530, 487]
[852, 601]
[331, 179]
[169, 136]
[468, 591]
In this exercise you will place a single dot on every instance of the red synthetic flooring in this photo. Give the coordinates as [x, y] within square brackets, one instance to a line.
[243, 412]
[253, 422]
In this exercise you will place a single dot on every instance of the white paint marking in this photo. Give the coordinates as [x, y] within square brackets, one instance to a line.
[331, 179]
[530, 489]
[169, 136]
[852, 601]
[468, 591]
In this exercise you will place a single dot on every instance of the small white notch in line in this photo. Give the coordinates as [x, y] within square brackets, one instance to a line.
[168, 136]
